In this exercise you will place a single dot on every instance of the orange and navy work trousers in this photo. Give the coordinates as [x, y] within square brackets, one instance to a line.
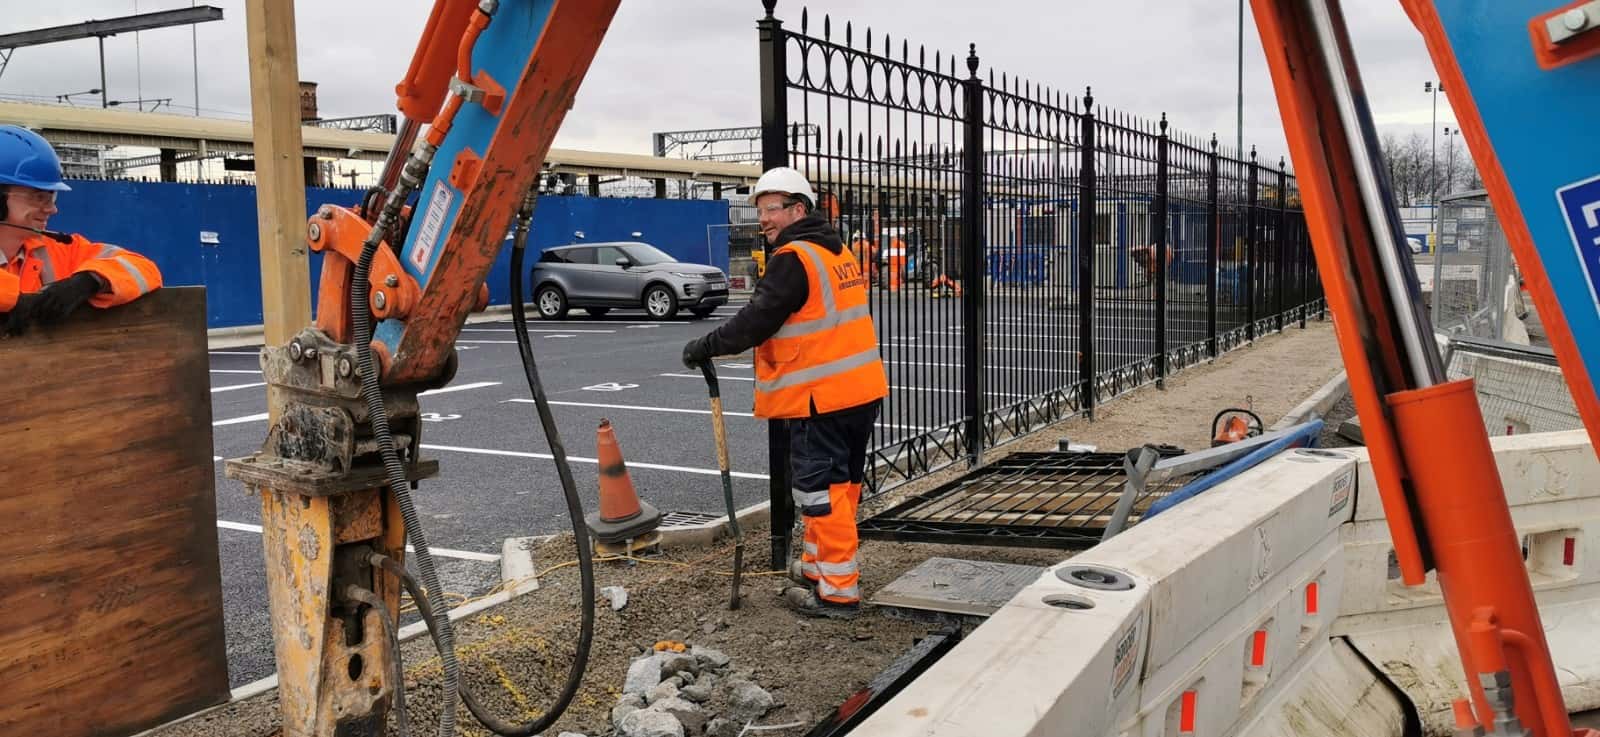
[828, 459]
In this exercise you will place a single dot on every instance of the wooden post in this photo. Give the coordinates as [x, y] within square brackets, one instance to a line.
[280, 178]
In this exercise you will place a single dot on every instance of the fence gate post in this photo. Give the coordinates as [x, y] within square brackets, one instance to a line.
[1162, 248]
[973, 264]
[1214, 215]
[1087, 251]
[1252, 224]
[1281, 244]
[775, 152]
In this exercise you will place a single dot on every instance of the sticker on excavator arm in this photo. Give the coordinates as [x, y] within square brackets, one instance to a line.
[432, 225]
[1580, 206]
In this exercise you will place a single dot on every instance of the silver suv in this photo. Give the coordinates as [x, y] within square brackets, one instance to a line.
[600, 276]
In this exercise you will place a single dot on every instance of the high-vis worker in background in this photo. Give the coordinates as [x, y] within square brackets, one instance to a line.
[44, 275]
[817, 369]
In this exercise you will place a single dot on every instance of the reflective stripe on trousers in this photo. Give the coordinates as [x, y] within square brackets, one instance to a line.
[838, 574]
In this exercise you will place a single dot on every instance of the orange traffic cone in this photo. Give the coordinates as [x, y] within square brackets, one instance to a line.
[622, 515]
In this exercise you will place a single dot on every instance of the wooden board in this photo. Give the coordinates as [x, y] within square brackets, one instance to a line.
[110, 589]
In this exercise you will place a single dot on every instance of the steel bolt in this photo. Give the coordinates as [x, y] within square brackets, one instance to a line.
[326, 212]
[314, 232]
[378, 300]
[1575, 19]
[391, 281]
[345, 367]
[311, 354]
[295, 351]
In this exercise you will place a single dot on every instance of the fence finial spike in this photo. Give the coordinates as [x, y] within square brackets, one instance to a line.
[1282, 163]
[827, 26]
[805, 17]
[847, 30]
[1252, 152]
[770, 4]
[972, 59]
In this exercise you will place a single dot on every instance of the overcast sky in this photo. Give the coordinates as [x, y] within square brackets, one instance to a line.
[683, 64]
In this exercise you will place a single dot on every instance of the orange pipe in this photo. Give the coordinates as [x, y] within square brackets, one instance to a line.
[1476, 551]
[447, 116]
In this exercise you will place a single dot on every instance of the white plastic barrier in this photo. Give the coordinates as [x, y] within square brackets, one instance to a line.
[1229, 591]
[1262, 608]
[1552, 481]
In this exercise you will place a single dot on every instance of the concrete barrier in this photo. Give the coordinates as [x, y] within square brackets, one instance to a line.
[1265, 607]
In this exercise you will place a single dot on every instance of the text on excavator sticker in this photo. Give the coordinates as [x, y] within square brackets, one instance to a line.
[1580, 206]
[432, 223]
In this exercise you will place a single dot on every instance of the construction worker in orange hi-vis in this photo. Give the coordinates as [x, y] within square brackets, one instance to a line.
[45, 275]
[818, 370]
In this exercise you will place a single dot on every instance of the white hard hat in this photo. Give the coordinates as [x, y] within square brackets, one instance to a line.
[786, 180]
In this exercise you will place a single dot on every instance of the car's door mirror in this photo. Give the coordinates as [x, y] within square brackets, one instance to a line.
[624, 262]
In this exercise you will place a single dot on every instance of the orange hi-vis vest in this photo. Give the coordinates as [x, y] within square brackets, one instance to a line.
[826, 354]
[46, 261]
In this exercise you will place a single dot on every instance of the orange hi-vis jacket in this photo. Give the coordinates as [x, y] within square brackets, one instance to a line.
[826, 354]
[46, 260]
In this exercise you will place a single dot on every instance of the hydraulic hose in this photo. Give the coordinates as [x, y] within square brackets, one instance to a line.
[569, 488]
[426, 594]
[378, 415]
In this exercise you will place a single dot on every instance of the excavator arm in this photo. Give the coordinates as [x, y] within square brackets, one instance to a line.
[484, 96]
[1522, 76]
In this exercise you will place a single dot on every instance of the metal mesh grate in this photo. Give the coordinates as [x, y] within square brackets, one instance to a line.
[689, 519]
[1520, 388]
[1050, 499]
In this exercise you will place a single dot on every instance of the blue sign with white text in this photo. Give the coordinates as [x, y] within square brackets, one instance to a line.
[1580, 206]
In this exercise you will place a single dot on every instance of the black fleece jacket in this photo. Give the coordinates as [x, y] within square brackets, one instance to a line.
[781, 292]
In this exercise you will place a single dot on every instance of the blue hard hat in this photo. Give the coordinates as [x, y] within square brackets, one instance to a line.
[27, 160]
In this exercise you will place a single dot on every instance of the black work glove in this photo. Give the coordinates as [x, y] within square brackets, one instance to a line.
[696, 352]
[58, 300]
[23, 314]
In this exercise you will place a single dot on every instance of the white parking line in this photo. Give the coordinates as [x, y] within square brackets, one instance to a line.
[459, 388]
[240, 420]
[581, 459]
[235, 371]
[891, 387]
[263, 416]
[216, 389]
[636, 408]
[531, 330]
[441, 552]
[673, 410]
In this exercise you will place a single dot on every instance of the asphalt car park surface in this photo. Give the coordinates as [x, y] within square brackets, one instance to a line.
[497, 478]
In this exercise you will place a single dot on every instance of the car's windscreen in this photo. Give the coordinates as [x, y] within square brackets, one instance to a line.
[645, 255]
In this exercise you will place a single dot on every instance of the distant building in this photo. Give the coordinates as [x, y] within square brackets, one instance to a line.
[80, 161]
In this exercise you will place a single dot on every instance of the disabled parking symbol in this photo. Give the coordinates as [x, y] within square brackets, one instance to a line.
[1580, 207]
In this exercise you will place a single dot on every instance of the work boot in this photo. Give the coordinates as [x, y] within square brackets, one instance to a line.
[797, 574]
[804, 600]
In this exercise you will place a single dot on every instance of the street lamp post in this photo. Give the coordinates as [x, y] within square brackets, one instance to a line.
[1433, 153]
[1450, 156]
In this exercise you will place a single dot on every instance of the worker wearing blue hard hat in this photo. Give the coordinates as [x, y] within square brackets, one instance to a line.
[45, 276]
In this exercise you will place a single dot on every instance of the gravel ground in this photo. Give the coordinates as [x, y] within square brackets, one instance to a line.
[517, 655]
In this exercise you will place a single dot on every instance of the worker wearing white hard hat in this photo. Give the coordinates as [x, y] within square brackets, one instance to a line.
[817, 371]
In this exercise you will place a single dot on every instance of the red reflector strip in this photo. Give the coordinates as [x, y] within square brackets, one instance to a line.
[1258, 649]
[1569, 551]
[1186, 713]
[1311, 598]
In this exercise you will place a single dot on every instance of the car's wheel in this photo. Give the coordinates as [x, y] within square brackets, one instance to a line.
[597, 311]
[701, 313]
[551, 302]
[660, 302]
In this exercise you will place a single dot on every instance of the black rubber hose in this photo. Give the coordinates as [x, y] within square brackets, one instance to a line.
[395, 472]
[569, 488]
[392, 630]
